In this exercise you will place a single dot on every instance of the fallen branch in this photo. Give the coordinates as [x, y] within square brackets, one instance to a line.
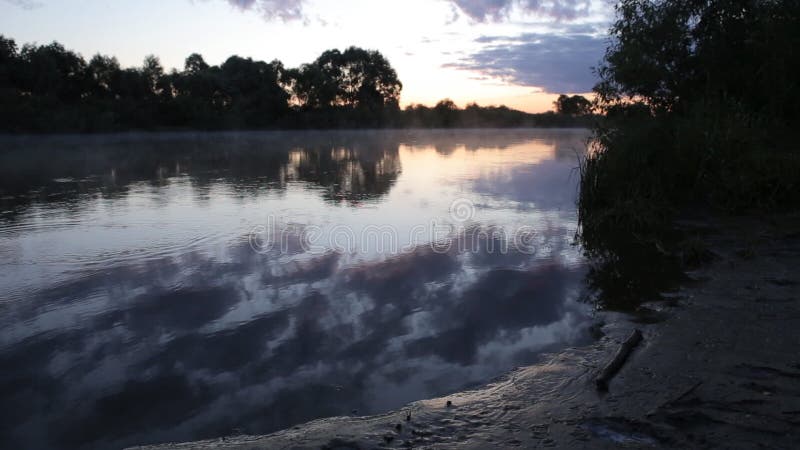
[613, 367]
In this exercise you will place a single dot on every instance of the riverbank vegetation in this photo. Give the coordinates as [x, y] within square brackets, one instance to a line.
[700, 102]
[48, 88]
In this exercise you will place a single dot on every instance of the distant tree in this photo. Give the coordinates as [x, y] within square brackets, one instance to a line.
[576, 105]
[153, 73]
[356, 78]
[53, 72]
[49, 88]
[9, 94]
[133, 85]
[8, 49]
[195, 63]
[8, 60]
[254, 90]
[198, 80]
[419, 116]
[103, 72]
[200, 99]
[369, 81]
[316, 85]
[446, 113]
[446, 105]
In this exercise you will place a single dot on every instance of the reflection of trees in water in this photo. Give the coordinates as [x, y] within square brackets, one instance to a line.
[446, 148]
[567, 143]
[350, 174]
[626, 271]
[571, 147]
[66, 170]
[446, 141]
[351, 166]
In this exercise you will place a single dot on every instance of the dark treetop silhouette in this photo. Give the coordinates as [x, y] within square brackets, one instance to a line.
[48, 88]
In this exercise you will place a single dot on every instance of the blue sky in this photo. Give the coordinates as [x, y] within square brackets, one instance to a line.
[521, 53]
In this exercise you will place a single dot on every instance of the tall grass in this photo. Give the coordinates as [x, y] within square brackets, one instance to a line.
[642, 171]
[702, 104]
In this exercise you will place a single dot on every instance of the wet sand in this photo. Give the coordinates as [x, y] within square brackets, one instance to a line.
[719, 368]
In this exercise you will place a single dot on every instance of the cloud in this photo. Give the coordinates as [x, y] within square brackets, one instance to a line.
[547, 185]
[497, 10]
[25, 4]
[285, 10]
[554, 63]
[477, 10]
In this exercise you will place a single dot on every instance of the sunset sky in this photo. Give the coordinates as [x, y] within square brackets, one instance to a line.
[520, 53]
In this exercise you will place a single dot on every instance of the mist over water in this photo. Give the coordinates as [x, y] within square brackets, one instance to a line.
[134, 307]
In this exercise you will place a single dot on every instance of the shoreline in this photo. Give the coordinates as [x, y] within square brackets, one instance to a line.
[721, 369]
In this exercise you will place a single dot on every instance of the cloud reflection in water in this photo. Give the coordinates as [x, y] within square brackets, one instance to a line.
[184, 332]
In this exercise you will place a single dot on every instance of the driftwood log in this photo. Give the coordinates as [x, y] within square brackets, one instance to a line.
[613, 367]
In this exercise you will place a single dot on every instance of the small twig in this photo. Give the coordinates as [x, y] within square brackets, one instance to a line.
[675, 401]
[685, 394]
[613, 367]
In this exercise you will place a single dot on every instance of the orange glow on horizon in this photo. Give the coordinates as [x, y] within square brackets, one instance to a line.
[530, 102]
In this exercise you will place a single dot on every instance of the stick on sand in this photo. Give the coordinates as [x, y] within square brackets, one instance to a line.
[613, 367]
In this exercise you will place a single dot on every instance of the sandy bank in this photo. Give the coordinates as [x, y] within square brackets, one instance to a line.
[721, 370]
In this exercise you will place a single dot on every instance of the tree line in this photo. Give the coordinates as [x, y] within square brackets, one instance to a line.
[48, 88]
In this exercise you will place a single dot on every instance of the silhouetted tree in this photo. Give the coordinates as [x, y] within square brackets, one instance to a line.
[368, 80]
[316, 85]
[446, 113]
[200, 97]
[701, 100]
[253, 91]
[8, 50]
[362, 82]
[9, 94]
[576, 105]
[195, 64]
[671, 55]
[52, 72]
[103, 72]
[8, 61]
[49, 88]
[153, 72]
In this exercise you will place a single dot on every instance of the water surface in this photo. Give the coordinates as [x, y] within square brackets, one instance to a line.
[167, 287]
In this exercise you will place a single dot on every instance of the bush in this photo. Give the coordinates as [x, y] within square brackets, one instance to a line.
[686, 125]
